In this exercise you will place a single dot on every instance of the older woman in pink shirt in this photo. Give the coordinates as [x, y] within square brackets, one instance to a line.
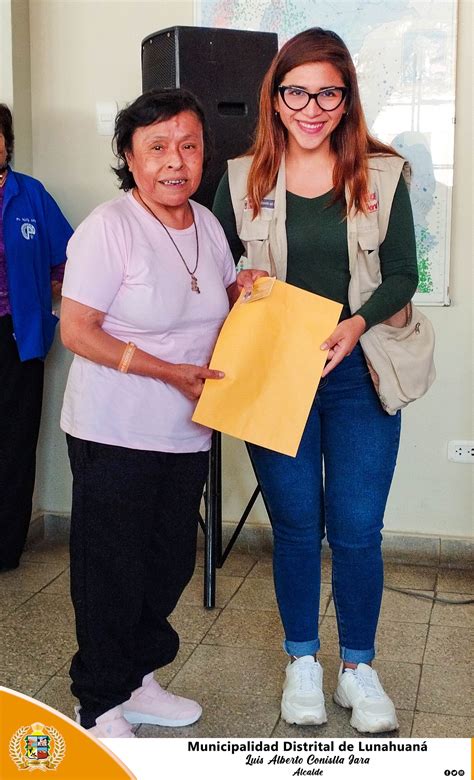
[148, 285]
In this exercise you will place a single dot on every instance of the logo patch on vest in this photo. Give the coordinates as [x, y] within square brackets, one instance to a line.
[372, 202]
[265, 203]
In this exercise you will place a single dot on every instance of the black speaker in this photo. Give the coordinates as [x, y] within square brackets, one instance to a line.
[224, 69]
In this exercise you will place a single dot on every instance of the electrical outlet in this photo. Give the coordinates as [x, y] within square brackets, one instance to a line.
[461, 451]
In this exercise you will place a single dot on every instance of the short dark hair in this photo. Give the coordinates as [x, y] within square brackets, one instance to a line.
[153, 106]
[6, 128]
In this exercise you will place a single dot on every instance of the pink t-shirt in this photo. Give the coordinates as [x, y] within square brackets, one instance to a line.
[120, 261]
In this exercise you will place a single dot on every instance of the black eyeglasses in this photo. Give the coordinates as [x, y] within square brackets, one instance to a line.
[327, 99]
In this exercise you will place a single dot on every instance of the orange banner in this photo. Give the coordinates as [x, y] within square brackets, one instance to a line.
[34, 736]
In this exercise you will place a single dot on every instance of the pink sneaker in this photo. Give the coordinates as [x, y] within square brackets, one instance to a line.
[110, 724]
[151, 704]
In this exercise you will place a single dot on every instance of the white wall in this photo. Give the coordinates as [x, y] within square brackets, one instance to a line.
[15, 74]
[22, 85]
[83, 52]
[6, 64]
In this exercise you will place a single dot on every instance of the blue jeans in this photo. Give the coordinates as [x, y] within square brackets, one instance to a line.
[338, 484]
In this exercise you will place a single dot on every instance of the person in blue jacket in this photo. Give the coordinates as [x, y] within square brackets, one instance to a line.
[33, 238]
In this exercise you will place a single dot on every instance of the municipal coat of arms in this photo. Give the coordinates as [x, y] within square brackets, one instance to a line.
[37, 747]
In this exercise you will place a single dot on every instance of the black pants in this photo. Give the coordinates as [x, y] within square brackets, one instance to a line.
[133, 551]
[21, 394]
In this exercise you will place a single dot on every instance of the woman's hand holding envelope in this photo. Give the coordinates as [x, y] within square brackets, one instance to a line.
[245, 281]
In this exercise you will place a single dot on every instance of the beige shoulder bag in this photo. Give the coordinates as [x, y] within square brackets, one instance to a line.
[399, 351]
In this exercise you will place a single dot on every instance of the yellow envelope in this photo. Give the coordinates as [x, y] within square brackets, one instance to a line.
[270, 352]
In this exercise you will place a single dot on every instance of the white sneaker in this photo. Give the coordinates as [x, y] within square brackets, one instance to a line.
[151, 704]
[110, 724]
[372, 709]
[303, 698]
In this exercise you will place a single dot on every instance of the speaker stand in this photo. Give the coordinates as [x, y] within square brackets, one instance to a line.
[214, 555]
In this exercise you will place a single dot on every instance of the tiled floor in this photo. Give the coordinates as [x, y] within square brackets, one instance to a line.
[231, 658]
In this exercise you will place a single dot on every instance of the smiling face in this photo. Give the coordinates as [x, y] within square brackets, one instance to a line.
[166, 161]
[309, 129]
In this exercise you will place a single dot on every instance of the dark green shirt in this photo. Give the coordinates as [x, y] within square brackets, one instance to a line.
[318, 258]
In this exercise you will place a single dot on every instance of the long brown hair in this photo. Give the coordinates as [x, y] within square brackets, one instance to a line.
[350, 141]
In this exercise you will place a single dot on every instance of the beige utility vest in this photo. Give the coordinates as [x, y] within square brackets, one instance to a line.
[401, 348]
[264, 237]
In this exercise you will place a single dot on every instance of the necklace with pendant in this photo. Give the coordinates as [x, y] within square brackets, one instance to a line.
[194, 281]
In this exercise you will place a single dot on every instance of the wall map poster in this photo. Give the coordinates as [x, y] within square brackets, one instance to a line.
[405, 55]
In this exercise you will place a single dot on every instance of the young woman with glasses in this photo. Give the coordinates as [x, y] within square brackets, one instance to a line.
[315, 197]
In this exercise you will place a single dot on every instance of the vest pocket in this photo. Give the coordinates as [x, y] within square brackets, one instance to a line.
[368, 239]
[407, 348]
[254, 229]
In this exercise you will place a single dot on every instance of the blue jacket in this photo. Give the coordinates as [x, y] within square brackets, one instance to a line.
[35, 235]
